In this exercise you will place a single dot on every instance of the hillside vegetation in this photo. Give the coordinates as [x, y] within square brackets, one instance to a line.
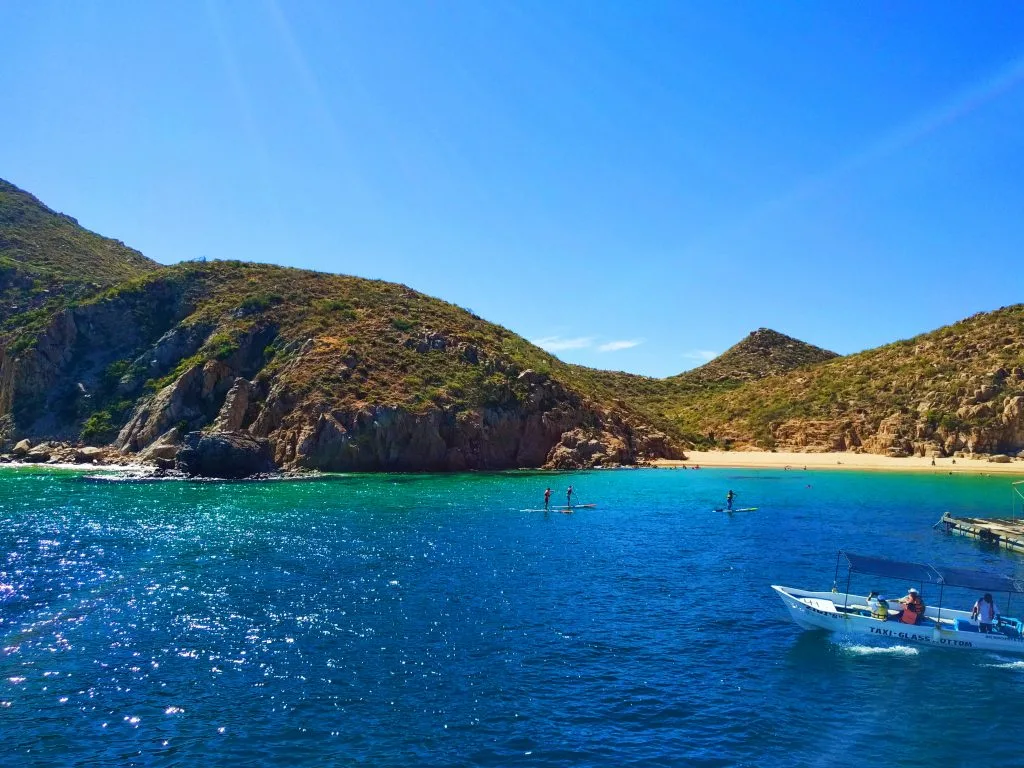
[678, 404]
[761, 354]
[46, 256]
[99, 345]
[335, 372]
[959, 388]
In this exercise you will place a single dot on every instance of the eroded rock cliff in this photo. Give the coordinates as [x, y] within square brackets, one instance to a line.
[175, 354]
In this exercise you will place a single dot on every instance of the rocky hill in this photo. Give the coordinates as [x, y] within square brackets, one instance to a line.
[959, 388]
[257, 366]
[323, 371]
[677, 404]
[763, 353]
[46, 256]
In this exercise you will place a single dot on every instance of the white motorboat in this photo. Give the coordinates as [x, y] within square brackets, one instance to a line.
[857, 615]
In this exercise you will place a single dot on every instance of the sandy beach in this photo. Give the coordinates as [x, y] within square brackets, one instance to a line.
[855, 461]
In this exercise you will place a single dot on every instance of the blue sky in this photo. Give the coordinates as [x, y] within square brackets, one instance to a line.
[636, 186]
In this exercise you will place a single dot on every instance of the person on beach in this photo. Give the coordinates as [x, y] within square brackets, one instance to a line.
[984, 611]
[568, 497]
[547, 498]
[728, 499]
[913, 607]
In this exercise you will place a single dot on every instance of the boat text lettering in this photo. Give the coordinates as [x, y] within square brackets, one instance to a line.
[921, 638]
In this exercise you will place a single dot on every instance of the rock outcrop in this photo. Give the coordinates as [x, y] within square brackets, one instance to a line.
[185, 403]
[227, 455]
[164, 448]
[236, 405]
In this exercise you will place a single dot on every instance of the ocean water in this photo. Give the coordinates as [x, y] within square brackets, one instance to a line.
[426, 620]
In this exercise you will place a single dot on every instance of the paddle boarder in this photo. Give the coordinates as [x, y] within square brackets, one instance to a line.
[728, 498]
[568, 497]
[547, 498]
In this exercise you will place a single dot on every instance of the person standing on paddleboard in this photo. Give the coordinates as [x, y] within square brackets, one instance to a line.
[729, 497]
[568, 497]
[547, 498]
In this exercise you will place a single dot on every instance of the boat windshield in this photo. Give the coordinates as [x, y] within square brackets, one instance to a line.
[932, 574]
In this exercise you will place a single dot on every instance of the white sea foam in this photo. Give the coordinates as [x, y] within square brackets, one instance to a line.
[1008, 665]
[891, 650]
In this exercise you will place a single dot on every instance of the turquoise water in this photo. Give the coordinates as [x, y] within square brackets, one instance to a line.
[398, 620]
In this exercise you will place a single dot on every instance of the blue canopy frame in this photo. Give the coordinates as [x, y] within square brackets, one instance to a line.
[925, 573]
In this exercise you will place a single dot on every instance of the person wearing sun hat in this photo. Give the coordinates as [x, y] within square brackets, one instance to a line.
[913, 607]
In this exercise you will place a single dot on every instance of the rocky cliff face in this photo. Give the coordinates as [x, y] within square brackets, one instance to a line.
[144, 367]
[549, 427]
[47, 387]
[990, 420]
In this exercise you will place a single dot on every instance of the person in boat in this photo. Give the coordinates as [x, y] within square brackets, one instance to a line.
[913, 607]
[882, 611]
[728, 499]
[568, 497]
[547, 498]
[878, 606]
[984, 611]
[872, 602]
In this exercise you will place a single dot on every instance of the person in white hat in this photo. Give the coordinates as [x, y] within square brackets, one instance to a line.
[913, 607]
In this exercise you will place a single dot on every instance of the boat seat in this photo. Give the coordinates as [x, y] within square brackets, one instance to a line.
[1009, 627]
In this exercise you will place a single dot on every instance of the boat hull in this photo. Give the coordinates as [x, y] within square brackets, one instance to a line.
[849, 615]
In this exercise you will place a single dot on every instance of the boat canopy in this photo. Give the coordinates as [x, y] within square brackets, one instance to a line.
[932, 574]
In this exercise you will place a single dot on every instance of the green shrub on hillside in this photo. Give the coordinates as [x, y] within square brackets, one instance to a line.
[260, 303]
[98, 429]
[221, 345]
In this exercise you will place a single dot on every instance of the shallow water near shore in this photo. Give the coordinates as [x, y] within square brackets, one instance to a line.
[394, 620]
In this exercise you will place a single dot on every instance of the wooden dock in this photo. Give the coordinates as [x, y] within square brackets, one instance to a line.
[1003, 532]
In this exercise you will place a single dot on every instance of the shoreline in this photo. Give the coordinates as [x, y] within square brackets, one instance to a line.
[792, 460]
[839, 460]
[80, 466]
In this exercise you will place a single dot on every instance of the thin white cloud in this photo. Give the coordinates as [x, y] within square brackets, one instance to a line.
[558, 344]
[615, 346]
[701, 354]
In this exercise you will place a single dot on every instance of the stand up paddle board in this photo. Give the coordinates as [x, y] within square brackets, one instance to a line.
[563, 508]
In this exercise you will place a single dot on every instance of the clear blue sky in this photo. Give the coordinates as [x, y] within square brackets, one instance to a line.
[635, 185]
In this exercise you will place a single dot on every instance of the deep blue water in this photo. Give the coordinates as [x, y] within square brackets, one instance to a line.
[426, 620]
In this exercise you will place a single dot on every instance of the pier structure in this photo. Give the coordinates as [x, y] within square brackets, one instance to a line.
[1004, 532]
